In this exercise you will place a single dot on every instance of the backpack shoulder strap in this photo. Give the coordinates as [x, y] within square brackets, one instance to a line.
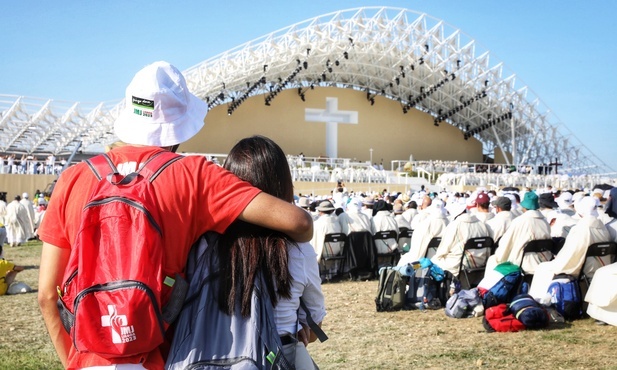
[321, 335]
[157, 163]
[101, 165]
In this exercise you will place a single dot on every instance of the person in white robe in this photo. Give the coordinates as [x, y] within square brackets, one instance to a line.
[410, 210]
[547, 204]
[27, 203]
[571, 257]
[531, 225]
[327, 223]
[564, 201]
[402, 223]
[353, 219]
[450, 251]
[480, 207]
[602, 295]
[17, 223]
[397, 210]
[609, 216]
[3, 238]
[383, 220]
[516, 207]
[498, 225]
[367, 206]
[432, 227]
[423, 212]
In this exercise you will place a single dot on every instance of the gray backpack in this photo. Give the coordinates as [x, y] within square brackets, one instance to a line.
[207, 338]
[462, 304]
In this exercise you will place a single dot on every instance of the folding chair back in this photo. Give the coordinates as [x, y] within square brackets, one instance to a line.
[476, 252]
[431, 249]
[598, 255]
[331, 263]
[391, 257]
[539, 246]
[404, 237]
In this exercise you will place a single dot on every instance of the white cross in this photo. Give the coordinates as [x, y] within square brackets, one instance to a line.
[332, 116]
[109, 320]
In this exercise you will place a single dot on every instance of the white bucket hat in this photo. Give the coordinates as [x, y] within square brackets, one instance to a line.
[159, 109]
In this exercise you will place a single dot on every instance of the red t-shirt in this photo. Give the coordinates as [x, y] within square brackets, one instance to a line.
[195, 196]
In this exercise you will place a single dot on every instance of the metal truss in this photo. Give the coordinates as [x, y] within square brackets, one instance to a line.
[410, 57]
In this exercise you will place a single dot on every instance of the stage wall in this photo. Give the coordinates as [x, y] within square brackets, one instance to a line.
[383, 127]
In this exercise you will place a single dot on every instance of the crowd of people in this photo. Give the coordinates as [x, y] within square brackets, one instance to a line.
[21, 217]
[31, 165]
[573, 219]
[19, 221]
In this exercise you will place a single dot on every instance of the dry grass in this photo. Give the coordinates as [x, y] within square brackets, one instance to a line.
[360, 337]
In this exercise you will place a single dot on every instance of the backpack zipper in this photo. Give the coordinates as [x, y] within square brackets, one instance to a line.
[122, 284]
[131, 203]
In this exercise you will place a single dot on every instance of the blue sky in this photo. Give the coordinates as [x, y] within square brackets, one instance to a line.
[88, 51]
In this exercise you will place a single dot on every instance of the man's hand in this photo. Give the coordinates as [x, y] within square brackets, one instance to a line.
[304, 334]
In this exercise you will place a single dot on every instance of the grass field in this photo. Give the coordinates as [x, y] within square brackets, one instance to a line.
[360, 337]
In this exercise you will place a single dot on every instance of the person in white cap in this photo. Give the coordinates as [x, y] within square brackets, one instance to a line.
[194, 196]
[571, 257]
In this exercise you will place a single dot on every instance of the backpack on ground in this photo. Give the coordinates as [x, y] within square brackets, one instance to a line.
[206, 338]
[499, 319]
[426, 285]
[116, 299]
[566, 296]
[391, 290]
[503, 291]
[531, 313]
[463, 304]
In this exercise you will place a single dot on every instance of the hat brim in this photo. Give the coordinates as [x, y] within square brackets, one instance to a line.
[132, 129]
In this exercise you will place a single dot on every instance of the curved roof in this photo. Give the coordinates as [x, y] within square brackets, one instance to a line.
[410, 57]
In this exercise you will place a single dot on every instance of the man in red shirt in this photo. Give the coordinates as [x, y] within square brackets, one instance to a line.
[194, 196]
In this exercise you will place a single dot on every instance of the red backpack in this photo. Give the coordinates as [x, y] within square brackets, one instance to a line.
[499, 318]
[113, 300]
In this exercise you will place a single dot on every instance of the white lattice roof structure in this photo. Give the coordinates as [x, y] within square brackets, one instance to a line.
[410, 57]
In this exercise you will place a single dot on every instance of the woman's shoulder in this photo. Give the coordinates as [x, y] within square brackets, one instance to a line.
[301, 250]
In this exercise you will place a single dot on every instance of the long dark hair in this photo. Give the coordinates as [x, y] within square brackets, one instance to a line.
[245, 250]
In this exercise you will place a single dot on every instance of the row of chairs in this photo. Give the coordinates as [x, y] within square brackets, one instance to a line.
[359, 249]
[476, 252]
[595, 250]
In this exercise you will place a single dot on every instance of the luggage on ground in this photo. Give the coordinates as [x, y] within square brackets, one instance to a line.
[391, 290]
[464, 304]
[499, 319]
[503, 291]
[531, 313]
[427, 286]
[566, 296]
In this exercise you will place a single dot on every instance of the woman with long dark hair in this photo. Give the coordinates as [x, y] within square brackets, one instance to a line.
[290, 269]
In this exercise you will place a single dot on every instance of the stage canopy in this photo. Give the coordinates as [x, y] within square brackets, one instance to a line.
[409, 57]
